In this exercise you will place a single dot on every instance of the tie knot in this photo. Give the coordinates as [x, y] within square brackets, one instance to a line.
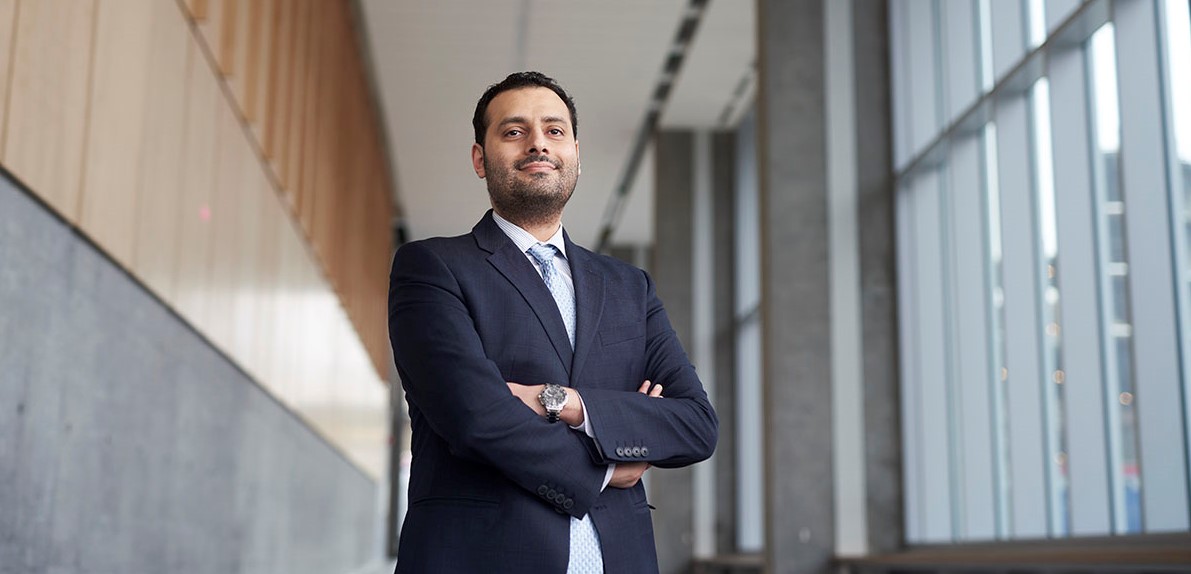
[543, 253]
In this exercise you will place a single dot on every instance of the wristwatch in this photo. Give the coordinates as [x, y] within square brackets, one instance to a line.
[554, 398]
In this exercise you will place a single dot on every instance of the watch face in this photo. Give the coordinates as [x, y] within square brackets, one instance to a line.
[554, 397]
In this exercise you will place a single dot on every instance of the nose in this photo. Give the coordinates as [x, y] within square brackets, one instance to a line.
[537, 143]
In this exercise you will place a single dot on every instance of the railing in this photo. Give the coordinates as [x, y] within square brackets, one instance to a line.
[1120, 555]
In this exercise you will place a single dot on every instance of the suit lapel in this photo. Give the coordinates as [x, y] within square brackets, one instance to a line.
[515, 267]
[589, 304]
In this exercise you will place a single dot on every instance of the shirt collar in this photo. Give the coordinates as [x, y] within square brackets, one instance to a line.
[524, 239]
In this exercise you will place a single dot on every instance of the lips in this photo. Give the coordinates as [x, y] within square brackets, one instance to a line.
[537, 163]
[538, 167]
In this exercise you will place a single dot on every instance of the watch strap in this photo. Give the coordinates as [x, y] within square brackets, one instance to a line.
[552, 390]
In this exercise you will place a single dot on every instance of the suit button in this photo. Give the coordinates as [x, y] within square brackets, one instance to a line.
[542, 490]
[619, 451]
[637, 451]
[551, 494]
[561, 497]
[644, 451]
[568, 504]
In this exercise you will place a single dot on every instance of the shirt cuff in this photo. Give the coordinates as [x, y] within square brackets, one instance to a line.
[586, 426]
[588, 430]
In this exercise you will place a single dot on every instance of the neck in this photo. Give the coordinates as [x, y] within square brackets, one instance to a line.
[541, 230]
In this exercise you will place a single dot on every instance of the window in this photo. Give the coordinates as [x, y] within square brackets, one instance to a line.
[1114, 288]
[1178, 56]
[996, 319]
[1053, 376]
[1046, 332]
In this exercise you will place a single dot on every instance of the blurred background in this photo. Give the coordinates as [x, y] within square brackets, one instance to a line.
[932, 259]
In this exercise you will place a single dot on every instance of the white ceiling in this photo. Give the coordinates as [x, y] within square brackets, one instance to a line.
[721, 56]
[434, 59]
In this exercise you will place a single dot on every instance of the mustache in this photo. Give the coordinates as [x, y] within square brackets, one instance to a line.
[536, 158]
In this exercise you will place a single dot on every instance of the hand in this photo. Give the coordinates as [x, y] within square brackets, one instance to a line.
[626, 474]
[529, 395]
[656, 392]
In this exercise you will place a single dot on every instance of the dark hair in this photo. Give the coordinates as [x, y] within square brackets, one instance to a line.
[517, 81]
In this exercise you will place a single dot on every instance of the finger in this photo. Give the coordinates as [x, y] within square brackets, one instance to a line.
[656, 392]
[644, 388]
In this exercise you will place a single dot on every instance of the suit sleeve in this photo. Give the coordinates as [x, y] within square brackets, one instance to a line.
[677, 430]
[463, 396]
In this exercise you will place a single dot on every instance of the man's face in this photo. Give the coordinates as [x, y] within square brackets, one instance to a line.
[530, 156]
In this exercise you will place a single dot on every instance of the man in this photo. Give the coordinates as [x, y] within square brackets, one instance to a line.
[522, 356]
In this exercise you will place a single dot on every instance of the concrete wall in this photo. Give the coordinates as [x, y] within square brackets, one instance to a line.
[670, 489]
[131, 445]
[681, 531]
[724, 262]
[874, 217]
[795, 288]
[830, 360]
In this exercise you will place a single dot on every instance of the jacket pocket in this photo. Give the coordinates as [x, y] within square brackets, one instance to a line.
[614, 334]
[467, 501]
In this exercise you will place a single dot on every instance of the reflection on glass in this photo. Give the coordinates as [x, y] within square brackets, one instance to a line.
[986, 68]
[1054, 406]
[1114, 285]
[1178, 38]
[1178, 57]
[999, 378]
[1037, 15]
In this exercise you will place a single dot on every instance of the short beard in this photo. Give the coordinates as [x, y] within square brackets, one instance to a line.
[531, 203]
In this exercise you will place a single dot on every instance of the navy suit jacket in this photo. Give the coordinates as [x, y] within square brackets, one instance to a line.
[492, 484]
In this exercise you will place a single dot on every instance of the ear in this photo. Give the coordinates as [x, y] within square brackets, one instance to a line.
[477, 159]
[578, 161]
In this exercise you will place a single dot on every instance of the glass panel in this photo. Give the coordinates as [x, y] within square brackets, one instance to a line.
[952, 378]
[1037, 15]
[750, 520]
[986, 51]
[1054, 405]
[1178, 56]
[1125, 476]
[996, 321]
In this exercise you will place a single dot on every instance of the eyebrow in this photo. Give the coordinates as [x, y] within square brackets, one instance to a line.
[523, 120]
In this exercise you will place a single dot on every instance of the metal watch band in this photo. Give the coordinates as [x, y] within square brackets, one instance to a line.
[552, 415]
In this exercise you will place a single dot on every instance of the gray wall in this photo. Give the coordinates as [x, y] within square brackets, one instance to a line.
[670, 489]
[882, 401]
[723, 153]
[129, 444]
[824, 151]
[800, 508]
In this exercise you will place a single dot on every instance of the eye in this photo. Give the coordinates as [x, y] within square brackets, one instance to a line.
[513, 133]
[555, 132]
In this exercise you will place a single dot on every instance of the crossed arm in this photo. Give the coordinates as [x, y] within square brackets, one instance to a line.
[625, 474]
[456, 390]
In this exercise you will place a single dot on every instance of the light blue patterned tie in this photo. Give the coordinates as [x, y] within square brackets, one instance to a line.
[563, 296]
[585, 557]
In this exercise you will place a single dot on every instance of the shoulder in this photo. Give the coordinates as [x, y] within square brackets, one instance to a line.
[440, 244]
[443, 246]
[611, 268]
[434, 251]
